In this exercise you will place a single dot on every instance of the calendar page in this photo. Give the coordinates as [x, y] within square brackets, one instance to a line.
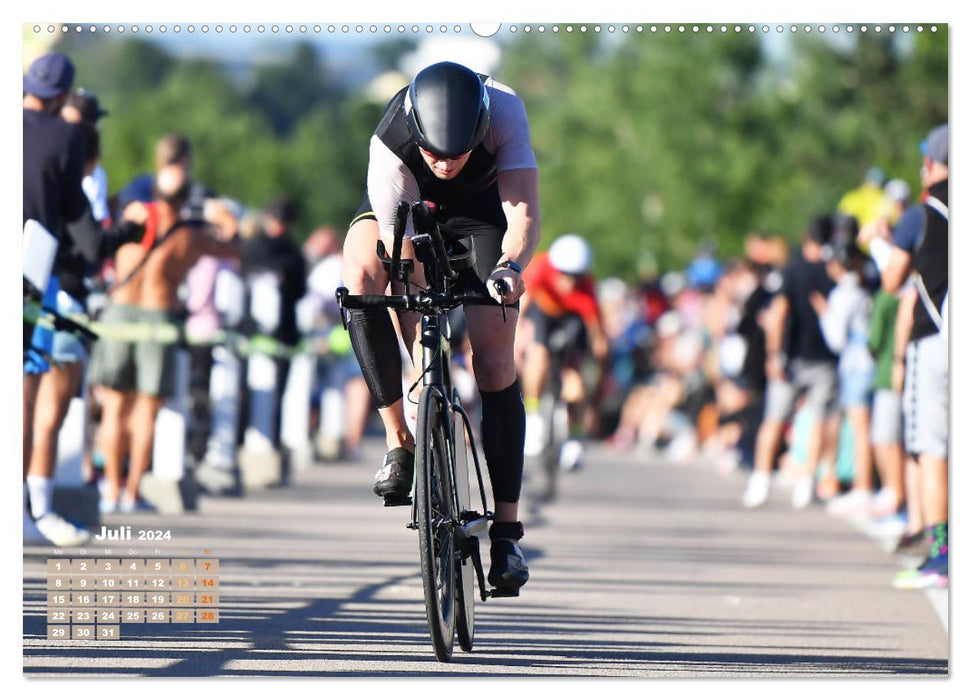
[638, 426]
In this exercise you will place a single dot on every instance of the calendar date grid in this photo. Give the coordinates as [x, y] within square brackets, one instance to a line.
[91, 598]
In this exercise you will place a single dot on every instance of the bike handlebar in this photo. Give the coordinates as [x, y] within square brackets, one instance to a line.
[428, 303]
[425, 302]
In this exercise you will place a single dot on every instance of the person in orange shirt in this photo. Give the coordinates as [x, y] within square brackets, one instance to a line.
[560, 313]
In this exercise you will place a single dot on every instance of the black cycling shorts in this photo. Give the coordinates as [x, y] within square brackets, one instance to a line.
[566, 334]
[479, 217]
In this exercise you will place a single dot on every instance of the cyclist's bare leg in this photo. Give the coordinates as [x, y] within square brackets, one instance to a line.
[536, 364]
[575, 398]
[494, 366]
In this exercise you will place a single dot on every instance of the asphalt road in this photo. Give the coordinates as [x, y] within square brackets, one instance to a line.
[640, 569]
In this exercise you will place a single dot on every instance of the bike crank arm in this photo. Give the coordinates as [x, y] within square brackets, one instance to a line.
[467, 541]
[467, 545]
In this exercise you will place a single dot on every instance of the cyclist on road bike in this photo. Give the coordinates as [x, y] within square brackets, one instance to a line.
[460, 141]
[560, 300]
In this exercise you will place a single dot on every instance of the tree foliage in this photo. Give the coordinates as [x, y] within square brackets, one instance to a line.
[652, 144]
[647, 144]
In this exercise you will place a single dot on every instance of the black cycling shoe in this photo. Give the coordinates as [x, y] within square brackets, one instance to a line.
[393, 481]
[508, 572]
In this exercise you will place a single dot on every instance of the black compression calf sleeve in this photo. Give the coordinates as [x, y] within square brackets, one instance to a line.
[503, 435]
[375, 345]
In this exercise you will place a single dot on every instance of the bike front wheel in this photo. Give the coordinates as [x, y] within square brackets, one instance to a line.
[436, 520]
[465, 569]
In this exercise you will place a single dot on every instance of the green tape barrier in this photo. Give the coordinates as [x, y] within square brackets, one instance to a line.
[338, 340]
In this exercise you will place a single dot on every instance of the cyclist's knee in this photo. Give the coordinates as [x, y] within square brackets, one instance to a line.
[538, 357]
[494, 371]
[362, 271]
[573, 389]
[364, 278]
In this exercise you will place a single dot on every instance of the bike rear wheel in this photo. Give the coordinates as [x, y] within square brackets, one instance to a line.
[550, 408]
[436, 519]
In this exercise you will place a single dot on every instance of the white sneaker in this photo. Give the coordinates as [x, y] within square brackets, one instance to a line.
[856, 502]
[884, 503]
[32, 536]
[682, 448]
[535, 435]
[757, 491]
[571, 454]
[802, 492]
[60, 532]
[727, 462]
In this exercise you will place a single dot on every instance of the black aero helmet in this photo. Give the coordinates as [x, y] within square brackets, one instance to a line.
[448, 109]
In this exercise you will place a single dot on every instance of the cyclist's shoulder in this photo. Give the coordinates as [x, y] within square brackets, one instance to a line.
[504, 101]
[496, 87]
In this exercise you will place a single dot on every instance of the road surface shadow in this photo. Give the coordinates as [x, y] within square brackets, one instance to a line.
[366, 635]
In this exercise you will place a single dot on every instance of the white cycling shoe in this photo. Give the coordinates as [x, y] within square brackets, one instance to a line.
[571, 455]
[535, 435]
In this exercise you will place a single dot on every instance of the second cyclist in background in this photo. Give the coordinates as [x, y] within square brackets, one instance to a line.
[562, 314]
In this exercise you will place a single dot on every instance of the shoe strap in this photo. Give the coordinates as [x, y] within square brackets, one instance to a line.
[398, 455]
[506, 531]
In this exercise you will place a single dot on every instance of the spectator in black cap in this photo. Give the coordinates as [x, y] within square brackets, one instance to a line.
[82, 106]
[797, 362]
[53, 170]
[53, 166]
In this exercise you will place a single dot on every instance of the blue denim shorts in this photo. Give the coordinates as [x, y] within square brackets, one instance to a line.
[67, 347]
[856, 388]
[43, 338]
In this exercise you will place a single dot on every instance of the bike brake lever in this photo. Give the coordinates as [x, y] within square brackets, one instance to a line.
[502, 287]
[340, 294]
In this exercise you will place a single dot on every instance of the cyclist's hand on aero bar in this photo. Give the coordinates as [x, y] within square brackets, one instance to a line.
[509, 281]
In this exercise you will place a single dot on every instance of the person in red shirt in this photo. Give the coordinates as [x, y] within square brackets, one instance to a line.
[560, 313]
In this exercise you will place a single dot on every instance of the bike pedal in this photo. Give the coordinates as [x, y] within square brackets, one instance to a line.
[392, 501]
[504, 593]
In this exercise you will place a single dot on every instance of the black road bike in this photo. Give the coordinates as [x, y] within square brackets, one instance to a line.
[554, 413]
[448, 474]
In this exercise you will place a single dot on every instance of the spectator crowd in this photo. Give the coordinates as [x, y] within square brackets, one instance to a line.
[820, 367]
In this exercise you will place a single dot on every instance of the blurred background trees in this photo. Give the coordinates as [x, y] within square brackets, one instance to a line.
[648, 144]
